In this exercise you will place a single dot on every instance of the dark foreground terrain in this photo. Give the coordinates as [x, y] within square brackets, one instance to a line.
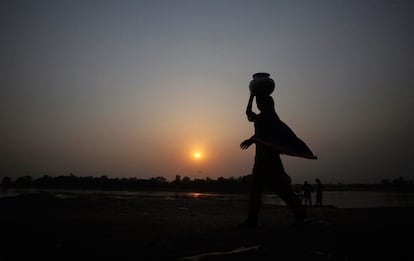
[42, 227]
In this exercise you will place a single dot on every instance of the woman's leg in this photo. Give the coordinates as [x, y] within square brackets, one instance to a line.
[253, 202]
[286, 193]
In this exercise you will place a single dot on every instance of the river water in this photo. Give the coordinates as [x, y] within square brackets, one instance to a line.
[340, 199]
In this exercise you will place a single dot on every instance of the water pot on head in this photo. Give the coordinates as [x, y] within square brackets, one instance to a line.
[261, 84]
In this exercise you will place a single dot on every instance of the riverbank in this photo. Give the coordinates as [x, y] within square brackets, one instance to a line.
[84, 228]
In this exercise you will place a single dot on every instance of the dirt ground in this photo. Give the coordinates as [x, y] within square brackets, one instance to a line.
[40, 226]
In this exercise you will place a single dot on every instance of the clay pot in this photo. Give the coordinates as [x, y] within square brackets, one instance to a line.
[261, 84]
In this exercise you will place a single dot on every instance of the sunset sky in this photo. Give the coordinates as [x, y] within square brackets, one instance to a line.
[136, 88]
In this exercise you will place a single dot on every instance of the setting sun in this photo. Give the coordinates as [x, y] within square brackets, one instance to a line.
[197, 155]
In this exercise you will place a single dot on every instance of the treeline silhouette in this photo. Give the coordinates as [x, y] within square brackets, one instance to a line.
[221, 184]
[71, 181]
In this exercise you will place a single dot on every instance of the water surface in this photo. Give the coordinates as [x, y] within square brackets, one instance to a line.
[340, 199]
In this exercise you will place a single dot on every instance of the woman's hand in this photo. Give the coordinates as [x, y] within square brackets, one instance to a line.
[246, 144]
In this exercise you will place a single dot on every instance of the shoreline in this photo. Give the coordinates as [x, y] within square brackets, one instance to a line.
[327, 188]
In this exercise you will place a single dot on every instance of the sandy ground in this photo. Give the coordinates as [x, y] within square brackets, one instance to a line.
[41, 227]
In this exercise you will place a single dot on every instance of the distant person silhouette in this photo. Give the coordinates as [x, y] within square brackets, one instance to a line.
[299, 193]
[319, 188]
[307, 193]
[272, 138]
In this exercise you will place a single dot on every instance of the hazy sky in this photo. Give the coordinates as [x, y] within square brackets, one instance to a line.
[135, 88]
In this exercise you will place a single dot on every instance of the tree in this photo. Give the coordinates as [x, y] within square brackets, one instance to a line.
[6, 182]
[186, 179]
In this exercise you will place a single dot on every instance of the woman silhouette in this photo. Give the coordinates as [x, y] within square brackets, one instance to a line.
[272, 138]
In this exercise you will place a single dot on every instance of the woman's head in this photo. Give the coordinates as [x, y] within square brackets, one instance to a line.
[265, 103]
